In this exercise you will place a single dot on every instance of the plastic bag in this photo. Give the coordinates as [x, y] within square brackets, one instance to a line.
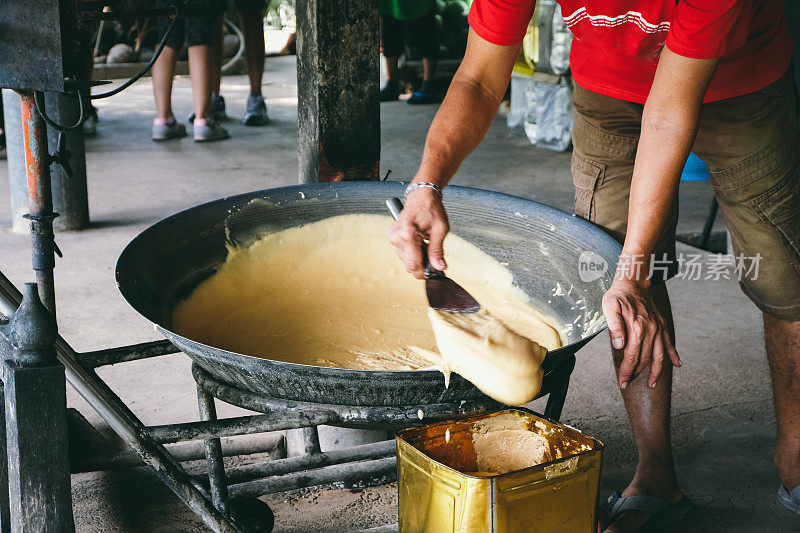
[552, 128]
[522, 107]
[543, 111]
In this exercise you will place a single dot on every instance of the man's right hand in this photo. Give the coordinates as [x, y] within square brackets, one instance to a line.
[463, 119]
[422, 218]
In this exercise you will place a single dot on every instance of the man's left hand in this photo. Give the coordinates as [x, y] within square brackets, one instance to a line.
[637, 327]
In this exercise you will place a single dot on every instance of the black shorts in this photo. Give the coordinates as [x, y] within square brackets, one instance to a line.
[191, 31]
[419, 34]
[250, 5]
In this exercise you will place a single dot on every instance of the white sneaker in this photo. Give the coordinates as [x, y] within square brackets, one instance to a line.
[207, 130]
[163, 130]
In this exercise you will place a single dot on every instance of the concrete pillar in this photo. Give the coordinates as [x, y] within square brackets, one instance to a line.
[70, 194]
[18, 181]
[337, 90]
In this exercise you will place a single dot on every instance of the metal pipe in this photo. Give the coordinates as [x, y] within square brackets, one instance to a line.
[37, 166]
[240, 425]
[363, 452]
[216, 469]
[126, 425]
[183, 452]
[347, 473]
[123, 354]
[709, 224]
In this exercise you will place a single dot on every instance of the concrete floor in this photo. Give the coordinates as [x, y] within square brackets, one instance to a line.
[722, 417]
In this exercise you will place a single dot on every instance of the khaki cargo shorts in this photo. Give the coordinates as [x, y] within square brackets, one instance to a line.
[750, 144]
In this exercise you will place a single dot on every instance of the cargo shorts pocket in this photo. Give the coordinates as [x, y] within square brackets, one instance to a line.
[586, 175]
[781, 207]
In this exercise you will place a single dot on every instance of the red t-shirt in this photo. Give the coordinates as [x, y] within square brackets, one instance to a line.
[618, 42]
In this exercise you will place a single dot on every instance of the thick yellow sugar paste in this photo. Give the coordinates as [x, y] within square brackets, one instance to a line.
[333, 293]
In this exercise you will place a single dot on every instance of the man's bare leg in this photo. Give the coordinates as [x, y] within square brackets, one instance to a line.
[252, 23]
[649, 412]
[782, 340]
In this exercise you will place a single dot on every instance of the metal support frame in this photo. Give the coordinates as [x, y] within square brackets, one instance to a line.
[558, 393]
[216, 468]
[125, 424]
[68, 177]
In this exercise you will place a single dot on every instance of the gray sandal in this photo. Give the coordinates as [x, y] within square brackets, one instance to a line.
[790, 499]
[663, 513]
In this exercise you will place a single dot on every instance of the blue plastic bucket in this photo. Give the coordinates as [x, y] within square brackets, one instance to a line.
[695, 169]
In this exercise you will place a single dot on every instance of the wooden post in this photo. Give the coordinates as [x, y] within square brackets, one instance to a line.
[337, 90]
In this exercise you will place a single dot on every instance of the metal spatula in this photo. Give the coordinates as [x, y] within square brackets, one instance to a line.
[443, 293]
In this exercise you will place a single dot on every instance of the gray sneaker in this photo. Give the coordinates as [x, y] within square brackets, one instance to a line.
[209, 130]
[164, 131]
[217, 109]
[255, 113]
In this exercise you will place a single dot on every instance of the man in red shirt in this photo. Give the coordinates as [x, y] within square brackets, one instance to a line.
[654, 80]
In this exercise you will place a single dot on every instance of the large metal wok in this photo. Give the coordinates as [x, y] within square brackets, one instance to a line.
[542, 247]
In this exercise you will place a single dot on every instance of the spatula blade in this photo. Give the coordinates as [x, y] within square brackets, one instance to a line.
[446, 295]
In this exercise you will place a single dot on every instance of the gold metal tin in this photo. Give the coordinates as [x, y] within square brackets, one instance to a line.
[437, 495]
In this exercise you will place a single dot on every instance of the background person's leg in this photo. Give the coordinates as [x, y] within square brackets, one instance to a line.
[162, 74]
[165, 126]
[214, 40]
[251, 19]
[199, 35]
[252, 23]
[393, 44]
[428, 68]
[216, 53]
[422, 34]
[200, 74]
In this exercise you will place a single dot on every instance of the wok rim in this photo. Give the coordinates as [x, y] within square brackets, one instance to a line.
[552, 358]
